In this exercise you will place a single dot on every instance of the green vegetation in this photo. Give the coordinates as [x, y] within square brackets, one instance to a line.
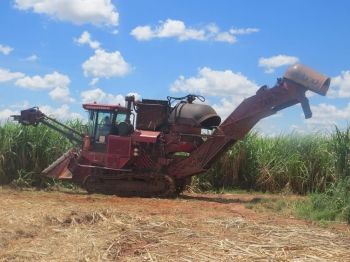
[333, 204]
[27, 150]
[280, 205]
[297, 163]
[315, 164]
[318, 164]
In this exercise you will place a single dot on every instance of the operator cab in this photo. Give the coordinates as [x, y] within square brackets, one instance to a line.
[105, 120]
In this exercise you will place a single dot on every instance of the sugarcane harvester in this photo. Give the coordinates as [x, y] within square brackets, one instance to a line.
[152, 147]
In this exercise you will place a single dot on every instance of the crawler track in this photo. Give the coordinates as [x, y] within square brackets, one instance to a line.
[127, 184]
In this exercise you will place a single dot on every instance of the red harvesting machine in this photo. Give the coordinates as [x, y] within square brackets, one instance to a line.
[152, 148]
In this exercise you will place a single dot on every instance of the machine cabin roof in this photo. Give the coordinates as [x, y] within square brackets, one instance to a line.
[105, 107]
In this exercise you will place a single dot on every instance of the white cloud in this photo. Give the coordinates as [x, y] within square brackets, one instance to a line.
[243, 31]
[178, 29]
[230, 86]
[6, 75]
[97, 12]
[62, 113]
[21, 105]
[99, 96]
[94, 81]
[61, 93]
[104, 64]
[5, 49]
[85, 38]
[143, 33]
[226, 106]
[57, 83]
[226, 37]
[215, 83]
[271, 63]
[6, 113]
[340, 85]
[48, 81]
[32, 58]
[327, 115]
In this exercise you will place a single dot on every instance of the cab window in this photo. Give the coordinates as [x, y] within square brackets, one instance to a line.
[91, 123]
[99, 125]
[104, 125]
[120, 118]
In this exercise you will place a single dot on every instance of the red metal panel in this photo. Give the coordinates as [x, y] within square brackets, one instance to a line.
[105, 159]
[119, 145]
[117, 155]
[145, 136]
[104, 107]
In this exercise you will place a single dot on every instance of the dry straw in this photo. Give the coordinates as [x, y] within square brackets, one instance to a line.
[78, 228]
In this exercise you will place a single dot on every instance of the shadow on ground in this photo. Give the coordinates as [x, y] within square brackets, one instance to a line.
[223, 200]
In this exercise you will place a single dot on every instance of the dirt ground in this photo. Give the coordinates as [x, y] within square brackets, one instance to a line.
[65, 226]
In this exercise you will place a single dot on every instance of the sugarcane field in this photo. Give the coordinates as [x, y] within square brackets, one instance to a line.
[169, 131]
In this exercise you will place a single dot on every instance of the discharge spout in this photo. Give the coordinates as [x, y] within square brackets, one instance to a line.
[308, 78]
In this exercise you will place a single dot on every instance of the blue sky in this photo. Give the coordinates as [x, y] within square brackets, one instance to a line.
[58, 54]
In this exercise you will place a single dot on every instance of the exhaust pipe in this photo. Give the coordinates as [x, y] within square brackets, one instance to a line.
[308, 78]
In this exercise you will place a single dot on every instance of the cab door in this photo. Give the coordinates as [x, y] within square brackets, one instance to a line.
[99, 127]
